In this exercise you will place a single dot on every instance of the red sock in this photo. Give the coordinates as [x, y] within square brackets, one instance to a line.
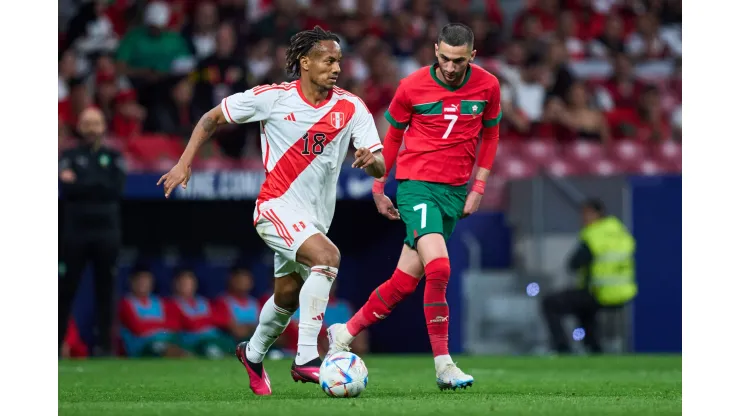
[382, 301]
[436, 311]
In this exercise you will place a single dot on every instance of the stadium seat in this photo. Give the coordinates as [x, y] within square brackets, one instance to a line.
[630, 151]
[604, 166]
[515, 168]
[668, 152]
[583, 151]
[650, 167]
[539, 151]
[562, 167]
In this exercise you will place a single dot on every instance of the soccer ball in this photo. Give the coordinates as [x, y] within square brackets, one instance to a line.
[343, 375]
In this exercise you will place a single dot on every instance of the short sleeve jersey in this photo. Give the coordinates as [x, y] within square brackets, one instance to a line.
[443, 123]
[303, 145]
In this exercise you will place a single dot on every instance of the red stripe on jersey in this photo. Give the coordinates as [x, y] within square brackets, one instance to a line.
[226, 106]
[280, 231]
[294, 162]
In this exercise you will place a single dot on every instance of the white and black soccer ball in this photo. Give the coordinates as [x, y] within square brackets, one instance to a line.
[343, 375]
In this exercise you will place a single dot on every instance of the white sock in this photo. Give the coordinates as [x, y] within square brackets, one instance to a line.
[273, 320]
[313, 300]
[441, 361]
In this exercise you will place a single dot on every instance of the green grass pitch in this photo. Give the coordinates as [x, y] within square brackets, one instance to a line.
[397, 385]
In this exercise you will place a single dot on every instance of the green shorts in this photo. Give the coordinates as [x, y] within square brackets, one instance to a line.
[427, 207]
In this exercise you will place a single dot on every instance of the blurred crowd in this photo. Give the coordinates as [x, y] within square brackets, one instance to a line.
[586, 70]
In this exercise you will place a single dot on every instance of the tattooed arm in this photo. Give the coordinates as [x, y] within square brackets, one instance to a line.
[202, 132]
[180, 173]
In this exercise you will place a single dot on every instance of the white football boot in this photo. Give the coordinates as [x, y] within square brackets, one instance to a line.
[451, 377]
[339, 339]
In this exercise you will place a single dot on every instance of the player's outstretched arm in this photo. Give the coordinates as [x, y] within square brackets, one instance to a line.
[180, 173]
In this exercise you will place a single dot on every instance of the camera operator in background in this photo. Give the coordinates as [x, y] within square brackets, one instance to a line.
[92, 178]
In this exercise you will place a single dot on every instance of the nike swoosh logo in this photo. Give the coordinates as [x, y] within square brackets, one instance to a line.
[316, 374]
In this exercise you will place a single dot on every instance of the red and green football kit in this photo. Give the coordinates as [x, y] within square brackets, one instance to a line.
[443, 126]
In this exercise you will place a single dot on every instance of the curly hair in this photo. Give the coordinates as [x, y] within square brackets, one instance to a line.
[300, 46]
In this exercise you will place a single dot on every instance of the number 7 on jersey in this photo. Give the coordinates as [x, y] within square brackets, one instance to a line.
[453, 119]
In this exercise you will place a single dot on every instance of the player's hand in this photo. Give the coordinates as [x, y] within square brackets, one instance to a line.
[178, 175]
[363, 158]
[472, 203]
[385, 207]
[68, 176]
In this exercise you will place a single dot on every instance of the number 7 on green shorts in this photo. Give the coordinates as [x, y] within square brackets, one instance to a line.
[427, 208]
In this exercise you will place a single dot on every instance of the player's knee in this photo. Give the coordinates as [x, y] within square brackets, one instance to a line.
[404, 283]
[438, 273]
[329, 256]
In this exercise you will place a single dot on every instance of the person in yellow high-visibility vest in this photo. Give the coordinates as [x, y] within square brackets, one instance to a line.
[604, 263]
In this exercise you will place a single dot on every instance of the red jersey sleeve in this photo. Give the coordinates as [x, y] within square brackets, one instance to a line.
[399, 111]
[491, 119]
[492, 114]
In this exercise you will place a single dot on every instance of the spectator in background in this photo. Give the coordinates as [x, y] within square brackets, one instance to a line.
[237, 311]
[646, 42]
[260, 60]
[622, 90]
[201, 33]
[196, 320]
[487, 35]
[73, 346]
[567, 32]
[91, 31]
[223, 72]
[644, 123]
[175, 114]
[148, 328]
[67, 72]
[79, 99]
[529, 92]
[543, 12]
[106, 91]
[129, 116]
[611, 40]
[577, 119]
[218, 76]
[560, 76]
[147, 54]
[532, 36]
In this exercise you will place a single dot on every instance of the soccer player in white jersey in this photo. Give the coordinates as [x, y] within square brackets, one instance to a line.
[307, 126]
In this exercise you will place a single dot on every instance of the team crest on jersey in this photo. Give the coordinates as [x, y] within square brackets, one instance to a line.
[337, 120]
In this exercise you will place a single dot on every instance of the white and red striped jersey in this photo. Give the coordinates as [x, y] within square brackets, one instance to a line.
[303, 145]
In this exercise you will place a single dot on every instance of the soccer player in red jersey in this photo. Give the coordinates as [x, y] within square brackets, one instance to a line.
[439, 112]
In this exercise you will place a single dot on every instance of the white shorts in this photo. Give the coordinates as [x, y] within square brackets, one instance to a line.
[284, 229]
